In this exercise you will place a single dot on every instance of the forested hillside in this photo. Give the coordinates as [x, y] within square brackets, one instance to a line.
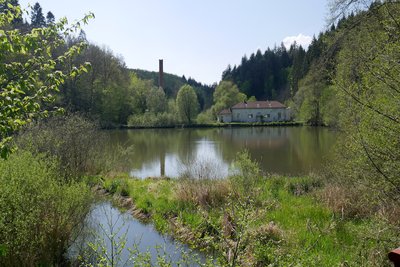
[274, 74]
[172, 83]
[111, 93]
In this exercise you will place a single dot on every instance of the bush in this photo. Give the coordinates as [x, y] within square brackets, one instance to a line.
[73, 140]
[38, 214]
[248, 174]
[150, 119]
[206, 117]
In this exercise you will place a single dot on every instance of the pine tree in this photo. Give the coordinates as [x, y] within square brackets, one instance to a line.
[50, 19]
[37, 17]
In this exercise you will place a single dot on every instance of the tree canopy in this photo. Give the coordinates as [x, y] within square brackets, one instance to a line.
[37, 17]
[30, 71]
[187, 103]
[226, 95]
[368, 93]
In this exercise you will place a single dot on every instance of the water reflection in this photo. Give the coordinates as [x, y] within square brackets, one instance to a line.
[282, 150]
[106, 221]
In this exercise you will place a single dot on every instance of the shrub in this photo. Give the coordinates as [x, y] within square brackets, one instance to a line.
[248, 174]
[150, 119]
[38, 214]
[73, 140]
[206, 117]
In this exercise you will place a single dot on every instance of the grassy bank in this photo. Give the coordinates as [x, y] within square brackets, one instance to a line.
[277, 221]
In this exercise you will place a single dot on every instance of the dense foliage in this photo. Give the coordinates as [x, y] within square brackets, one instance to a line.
[74, 141]
[38, 214]
[115, 95]
[225, 96]
[39, 210]
[172, 83]
[30, 73]
[368, 92]
[274, 74]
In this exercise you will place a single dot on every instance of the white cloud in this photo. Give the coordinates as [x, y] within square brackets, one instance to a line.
[300, 39]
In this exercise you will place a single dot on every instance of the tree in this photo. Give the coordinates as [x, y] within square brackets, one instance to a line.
[187, 103]
[309, 96]
[50, 19]
[105, 92]
[29, 72]
[156, 100]
[37, 17]
[140, 89]
[226, 95]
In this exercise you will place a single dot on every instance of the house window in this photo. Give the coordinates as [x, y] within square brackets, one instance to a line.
[238, 116]
[279, 115]
[250, 116]
[268, 116]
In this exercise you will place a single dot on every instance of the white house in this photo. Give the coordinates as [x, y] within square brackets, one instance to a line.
[256, 111]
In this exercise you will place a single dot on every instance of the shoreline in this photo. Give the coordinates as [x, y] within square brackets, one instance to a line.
[215, 125]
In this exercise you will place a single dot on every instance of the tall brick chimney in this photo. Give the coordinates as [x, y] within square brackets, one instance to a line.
[160, 74]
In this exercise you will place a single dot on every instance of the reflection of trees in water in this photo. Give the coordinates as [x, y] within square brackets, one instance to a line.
[289, 150]
[153, 145]
[278, 149]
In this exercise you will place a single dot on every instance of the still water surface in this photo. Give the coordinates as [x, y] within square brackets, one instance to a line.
[129, 235]
[171, 152]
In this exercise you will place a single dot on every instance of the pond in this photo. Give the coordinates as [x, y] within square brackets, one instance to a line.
[208, 152]
[171, 152]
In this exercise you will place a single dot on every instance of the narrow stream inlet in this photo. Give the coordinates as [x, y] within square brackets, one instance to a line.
[127, 241]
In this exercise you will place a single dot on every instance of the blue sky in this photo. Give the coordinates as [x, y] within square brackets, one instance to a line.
[195, 38]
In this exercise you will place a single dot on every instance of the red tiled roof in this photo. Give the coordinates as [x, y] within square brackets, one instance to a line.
[259, 104]
[225, 112]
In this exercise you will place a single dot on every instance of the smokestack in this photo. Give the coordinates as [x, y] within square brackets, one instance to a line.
[160, 74]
